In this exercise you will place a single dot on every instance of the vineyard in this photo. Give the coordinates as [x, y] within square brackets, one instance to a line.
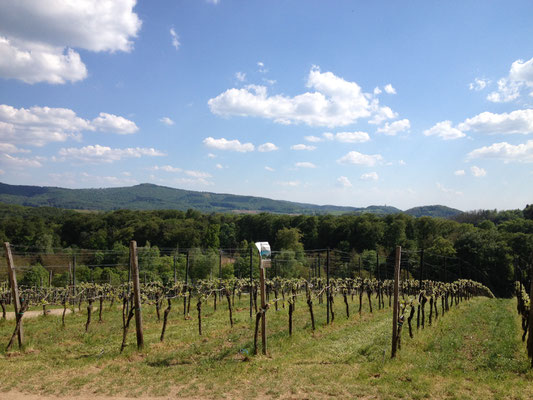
[218, 320]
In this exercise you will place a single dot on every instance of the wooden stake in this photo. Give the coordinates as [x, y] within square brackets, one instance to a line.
[134, 265]
[395, 305]
[15, 291]
[263, 308]
[530, 337]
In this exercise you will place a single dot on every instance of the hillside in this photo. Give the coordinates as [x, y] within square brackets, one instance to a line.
[153, 197]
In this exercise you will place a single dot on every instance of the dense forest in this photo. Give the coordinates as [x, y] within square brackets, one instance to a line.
[489, 246]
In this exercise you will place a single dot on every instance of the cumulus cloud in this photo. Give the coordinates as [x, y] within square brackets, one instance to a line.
[37, 38]
[166, 121]
[395, 127]
[352, 137]
[477, 171]
[445, 131]
[313, 139]
[459, 172]
[381, 114]
[241, 76]
[332, 102]
[97, 153]
[266, 147]
[166, 168]
[231, 145]
[505, 152]
[300, 147]
[38, 126]
[479, 84]
[304, 164]
[9, 161]
[389, 89]
[270, 169]
[219, 166]
[354, 157]
[175, 39]
[113, 123]
[370, 176]
[509, 88]
[344, 182]
[10, 149]
[516, 122]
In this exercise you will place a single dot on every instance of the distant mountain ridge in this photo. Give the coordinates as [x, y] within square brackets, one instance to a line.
[153, 197]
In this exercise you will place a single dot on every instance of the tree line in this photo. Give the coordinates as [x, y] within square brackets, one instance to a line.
[497, 245]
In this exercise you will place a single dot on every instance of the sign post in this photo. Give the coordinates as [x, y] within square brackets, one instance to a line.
[265, 259]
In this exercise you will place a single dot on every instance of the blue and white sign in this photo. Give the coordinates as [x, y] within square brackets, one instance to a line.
[264, 249]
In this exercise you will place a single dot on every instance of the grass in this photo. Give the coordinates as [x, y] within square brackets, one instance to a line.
[473, 352]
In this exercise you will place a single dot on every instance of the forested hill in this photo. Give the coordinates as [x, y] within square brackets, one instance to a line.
[153, 197]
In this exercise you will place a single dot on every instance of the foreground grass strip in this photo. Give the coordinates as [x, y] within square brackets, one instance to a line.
[474, 351]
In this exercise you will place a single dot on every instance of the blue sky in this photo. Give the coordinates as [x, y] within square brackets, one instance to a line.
[339, 102]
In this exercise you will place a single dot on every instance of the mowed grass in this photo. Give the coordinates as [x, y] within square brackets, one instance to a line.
[472, 352]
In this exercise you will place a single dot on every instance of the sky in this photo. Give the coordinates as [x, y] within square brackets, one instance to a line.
[350, 103]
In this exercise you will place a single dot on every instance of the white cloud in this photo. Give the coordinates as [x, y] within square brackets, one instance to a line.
[352, 137]
[381, 114]
[344, 182]
[395, 127]
[509, 88]
[197, 174]
[270, 169]
[477, 171]
[328, 135]
[211, 155]
[507, 91]
[98, 180]
[106, 154]
[505, 152]
[37, 37]
[460, 172]
[219, 166]
[241, 76]
[192, 181]
[175, 39]
[313, 139]
[10, 161]
[448, 191]
[267, 147]
[213, 1]
[445, 131]
[166, 121]
[290, 183]
[166, 168]
[516, 122]
[304, 164]
[38, 126]
[478, 84]
[389, 89]
[334, 102]
[402, 163]
[114, 123]
[300, 147]
[370, 176]
[232, 145]
[377, 91]
[10, 149]
[354, 157]
[262, 68]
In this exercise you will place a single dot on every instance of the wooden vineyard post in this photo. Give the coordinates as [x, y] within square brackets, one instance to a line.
[395, 305]
[134, 265]
[530, 336]
[251, 281]
[328, 305]
[263, 308]
[14, 290]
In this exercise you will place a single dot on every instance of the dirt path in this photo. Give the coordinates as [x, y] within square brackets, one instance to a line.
[36, 313]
